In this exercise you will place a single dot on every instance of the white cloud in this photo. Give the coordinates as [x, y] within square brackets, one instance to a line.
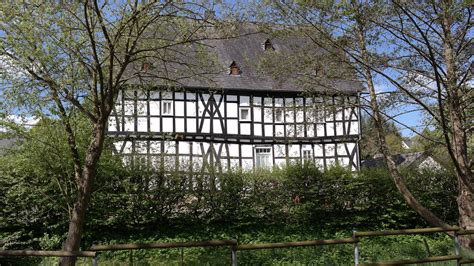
[26, 122]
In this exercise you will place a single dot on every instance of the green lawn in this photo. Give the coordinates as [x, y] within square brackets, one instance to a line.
[371, 249]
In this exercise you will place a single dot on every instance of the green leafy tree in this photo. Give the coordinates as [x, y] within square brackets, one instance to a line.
[422, 50]
[60, 59]
[37, 181]
[370, 146]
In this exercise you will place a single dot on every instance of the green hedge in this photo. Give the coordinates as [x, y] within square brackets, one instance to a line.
[36, 191]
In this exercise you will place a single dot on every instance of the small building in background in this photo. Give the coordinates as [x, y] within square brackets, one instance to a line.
[414, 160]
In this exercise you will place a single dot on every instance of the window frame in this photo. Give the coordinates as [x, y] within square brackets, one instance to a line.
[268, 155]
[163, 104]
[240, 113]
[303, 156]
[281, 111]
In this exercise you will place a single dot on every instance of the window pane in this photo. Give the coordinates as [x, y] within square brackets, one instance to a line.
[244, 114]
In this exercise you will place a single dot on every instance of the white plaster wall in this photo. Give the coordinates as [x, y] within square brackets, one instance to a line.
[245, 128]
[190, 108]
[155, 108]
[319, 162]
[257, 114]
[142, 108]
[129, 124]
[179, 108]
[310, 131]
[206, 128]
[257, 131]
[234, 164]
[354, 128]
[167, 124]
[279, 130]
[142, 124]
[155, 147]
[170, 147]
[232, 110]
[247, 150]
[268, 130]
[341, 150]
[127, 149]
[247, 164]
[330, 149]
[217, 128]
[128, 107]
[140, 146]
[330, 129]
[294, 150]
[318, 150]
[232, 126]
[280, 163]
[339, 129]
[112, 124]
[344, 162]
[279, 150]
[320, 130]
[300, 131]
[191, 125]
[234, 150]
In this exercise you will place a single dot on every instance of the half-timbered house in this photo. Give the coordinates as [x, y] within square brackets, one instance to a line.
[243, 118]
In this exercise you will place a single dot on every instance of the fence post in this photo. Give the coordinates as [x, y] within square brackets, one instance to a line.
[182, 257]
[94, 260]
[131, 257]
[457, 248]
[233, 249]
[356, 248]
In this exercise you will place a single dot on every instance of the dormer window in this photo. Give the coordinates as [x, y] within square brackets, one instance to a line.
[146, 66]
[268, 46]
[234, 69]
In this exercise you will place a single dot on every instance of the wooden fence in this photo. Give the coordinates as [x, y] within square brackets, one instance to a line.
[94, 251]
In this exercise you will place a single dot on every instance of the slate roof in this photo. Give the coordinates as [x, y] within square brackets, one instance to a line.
[247, 51]
[401, 160]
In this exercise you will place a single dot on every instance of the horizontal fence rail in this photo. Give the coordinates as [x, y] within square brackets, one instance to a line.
[465, 232]
[234, 247]
[210, 243]
[406, 232]
[413, 261]
[297, 244]
[466, 261]
[46, 253]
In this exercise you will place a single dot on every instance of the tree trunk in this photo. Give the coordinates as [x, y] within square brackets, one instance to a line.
[457, 118]
[78, 214]
[466, 211]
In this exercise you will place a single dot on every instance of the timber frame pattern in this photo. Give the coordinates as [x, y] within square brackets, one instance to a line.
[206, 130]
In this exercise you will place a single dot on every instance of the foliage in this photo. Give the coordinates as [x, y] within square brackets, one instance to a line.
[146, 205]
[369, 145]
[37, 188]
[131, 199]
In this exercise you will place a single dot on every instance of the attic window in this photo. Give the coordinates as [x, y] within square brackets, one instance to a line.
[146, 66]
[268, 45]
[234, 69]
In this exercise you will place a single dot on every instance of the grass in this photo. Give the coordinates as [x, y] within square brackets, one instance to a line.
[371, 250]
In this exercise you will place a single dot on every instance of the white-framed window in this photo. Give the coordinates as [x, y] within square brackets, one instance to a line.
[167, 108]
[307, 155]
[244, 114]
[279, 115]
[263, 157]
